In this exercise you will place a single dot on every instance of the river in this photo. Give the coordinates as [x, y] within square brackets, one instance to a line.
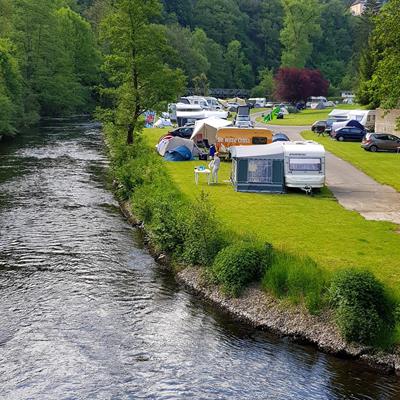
[85, 312]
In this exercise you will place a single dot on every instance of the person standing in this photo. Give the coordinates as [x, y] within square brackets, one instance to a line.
[214, 166]
[212, 151]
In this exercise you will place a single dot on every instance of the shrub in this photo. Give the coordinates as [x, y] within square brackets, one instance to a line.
[204, 237]
[297, 278]
[239, 264]
[364, 311]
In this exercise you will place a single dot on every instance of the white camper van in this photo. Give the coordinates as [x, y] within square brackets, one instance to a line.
[304, 165]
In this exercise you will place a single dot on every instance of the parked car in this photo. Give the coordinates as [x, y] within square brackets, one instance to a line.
[183, 132]
[318, 126]
[280, 137]
[380, 141]
[349, 133]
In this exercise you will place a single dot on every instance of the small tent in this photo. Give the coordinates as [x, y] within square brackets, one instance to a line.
[169, 143]
[181, 153]
[258, 168]
[206, 129]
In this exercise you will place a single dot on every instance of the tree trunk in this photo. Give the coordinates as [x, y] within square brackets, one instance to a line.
[129, 137]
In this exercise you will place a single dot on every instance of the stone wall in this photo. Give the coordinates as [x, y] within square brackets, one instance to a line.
[386, 121]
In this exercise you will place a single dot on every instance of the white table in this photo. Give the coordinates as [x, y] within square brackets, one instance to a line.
[197, 172]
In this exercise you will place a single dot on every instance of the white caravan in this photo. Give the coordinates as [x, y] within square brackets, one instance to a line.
[364, 117]
[304, 165]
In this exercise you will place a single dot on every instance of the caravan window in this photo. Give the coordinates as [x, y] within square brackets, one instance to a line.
[305, 164]
[259, 171]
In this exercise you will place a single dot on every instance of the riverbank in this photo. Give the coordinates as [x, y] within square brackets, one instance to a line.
[266, 312]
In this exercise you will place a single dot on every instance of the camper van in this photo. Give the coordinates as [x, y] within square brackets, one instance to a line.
[198, 101]
[304, 165]
[232, 136]
[183, 113]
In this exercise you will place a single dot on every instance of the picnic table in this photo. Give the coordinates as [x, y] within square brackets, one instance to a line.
[202, 171]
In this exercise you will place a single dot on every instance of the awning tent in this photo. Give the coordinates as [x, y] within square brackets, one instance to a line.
[169, 143]
[206, 129]
[258, 168]
[342, 124]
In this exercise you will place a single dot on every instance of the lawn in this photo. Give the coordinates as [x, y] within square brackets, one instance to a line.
[383, 167]
[316, 226]
[308, 117]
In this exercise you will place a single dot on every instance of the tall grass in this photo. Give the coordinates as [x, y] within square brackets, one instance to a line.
[297, 278]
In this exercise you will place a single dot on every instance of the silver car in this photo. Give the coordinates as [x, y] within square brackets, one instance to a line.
[380, 141]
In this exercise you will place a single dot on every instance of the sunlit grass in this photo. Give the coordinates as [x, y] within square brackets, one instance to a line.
[317, 226]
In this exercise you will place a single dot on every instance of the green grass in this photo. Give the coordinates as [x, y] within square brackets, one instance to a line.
[317, 227]
[381, 166]
[308, 117]
[257, 110]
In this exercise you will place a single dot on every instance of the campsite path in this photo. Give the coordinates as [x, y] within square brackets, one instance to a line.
[354, 189]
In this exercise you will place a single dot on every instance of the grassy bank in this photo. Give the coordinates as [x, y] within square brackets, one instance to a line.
[292, 243]
[308, 117]
[381, 166]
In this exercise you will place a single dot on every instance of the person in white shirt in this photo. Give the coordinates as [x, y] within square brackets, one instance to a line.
[214, 166]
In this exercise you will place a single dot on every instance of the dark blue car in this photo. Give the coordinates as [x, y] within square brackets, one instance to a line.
[352, 133]
[280, 137]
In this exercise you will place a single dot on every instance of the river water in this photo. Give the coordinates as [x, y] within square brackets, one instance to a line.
[85, 313]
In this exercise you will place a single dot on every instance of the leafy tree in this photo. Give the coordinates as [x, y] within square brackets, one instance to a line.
[301, 25]
[333, 49]
[220, 19]
[383, 87]
[201, 85]
[239, 72]
[190, 49]
[266, 86]
[295, 84]
[182, 10]
[136, 64]
[10, 89]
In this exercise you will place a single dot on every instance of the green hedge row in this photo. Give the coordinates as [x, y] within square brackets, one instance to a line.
[190, 233]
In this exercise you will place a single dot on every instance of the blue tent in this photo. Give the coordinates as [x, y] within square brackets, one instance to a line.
[181, 153]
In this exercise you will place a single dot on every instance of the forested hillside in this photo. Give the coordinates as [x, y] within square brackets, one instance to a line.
[51, 51]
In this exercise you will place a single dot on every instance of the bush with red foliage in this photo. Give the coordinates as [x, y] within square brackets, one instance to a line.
[298, 84]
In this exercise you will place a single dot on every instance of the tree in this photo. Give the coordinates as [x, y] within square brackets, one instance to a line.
[220, 19]
[297, 84]
[383, 86]
[10, 89]
[301, 25]
[136, 63]
[265, 88]
[239, 72]
[333, 49]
